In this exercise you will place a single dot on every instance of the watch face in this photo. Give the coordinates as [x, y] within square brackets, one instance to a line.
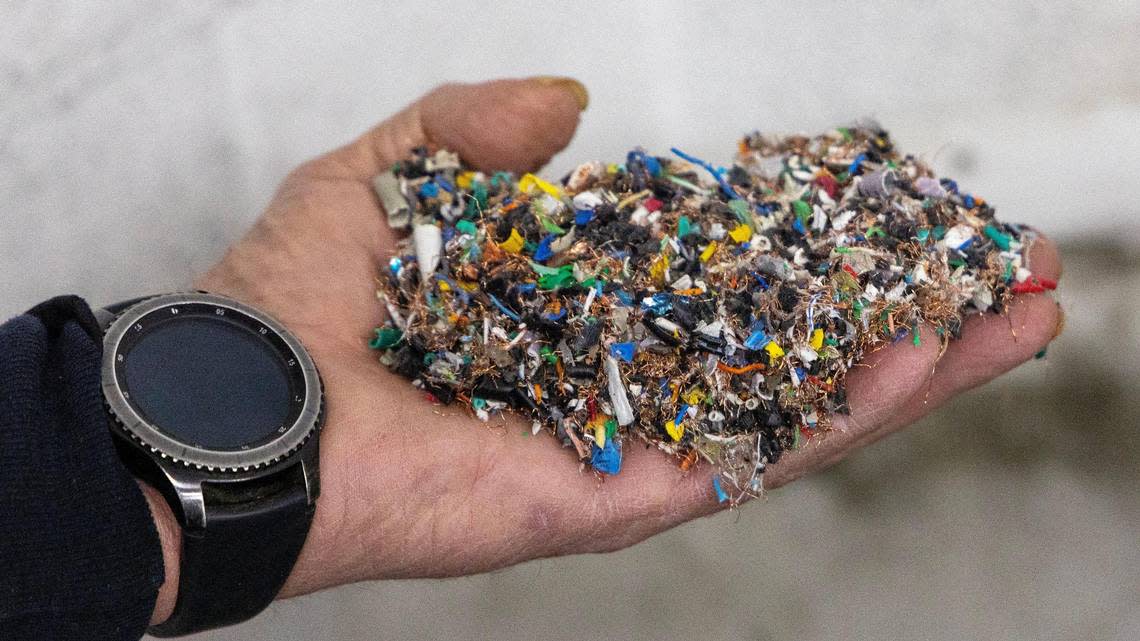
[203, 377]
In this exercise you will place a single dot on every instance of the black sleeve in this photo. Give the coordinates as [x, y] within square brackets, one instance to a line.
[79, 553]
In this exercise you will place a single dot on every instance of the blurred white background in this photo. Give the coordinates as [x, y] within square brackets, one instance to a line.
[138, 139]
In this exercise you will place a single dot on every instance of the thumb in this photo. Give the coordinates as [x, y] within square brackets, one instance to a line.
[515, 125]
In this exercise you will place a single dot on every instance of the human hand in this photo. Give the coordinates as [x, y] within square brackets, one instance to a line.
[415, 490]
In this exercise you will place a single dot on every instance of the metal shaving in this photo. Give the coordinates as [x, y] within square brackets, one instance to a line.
[711, 312]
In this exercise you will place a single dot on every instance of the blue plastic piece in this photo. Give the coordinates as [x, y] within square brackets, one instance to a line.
[583, 216]
[717, 173]
[855, 164]
[659, 304]
[799, 226]
[760, 280]
[624, 297]
[429, 190]
[506, 310]
[801, 373]
[758, 338]
[607, 460]
[653, 165]
[543, 252]
[681, 414]
[721, 495]
[444, 184]
[968, 201]
[623, 351]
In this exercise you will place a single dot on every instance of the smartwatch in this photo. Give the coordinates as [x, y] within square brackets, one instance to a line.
[219, 407]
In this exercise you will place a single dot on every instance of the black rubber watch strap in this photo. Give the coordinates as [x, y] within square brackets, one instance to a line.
[235, 566]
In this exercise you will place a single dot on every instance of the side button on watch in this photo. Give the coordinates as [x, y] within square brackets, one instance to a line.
[219, 407]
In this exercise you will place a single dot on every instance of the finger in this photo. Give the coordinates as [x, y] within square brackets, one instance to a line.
[1044, 259]
[514, 125]
[878, 388]
[652, 493]
[993, 344]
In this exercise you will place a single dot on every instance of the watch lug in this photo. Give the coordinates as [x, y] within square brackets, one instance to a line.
[104, 318]
[310, 462]
[187, 489]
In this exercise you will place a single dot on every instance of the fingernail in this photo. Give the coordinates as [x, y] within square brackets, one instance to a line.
[1060, 323]
[569, 84]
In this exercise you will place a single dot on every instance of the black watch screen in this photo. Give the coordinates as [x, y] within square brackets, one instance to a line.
[207, 379]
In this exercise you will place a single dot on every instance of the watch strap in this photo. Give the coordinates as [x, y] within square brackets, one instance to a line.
[234, 567]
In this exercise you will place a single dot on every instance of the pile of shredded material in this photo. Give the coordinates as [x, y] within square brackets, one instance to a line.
[711, 312]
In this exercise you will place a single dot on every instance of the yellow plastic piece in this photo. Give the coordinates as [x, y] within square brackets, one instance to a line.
[600, 432]
[708, 252]
[774, 350]
[741, 234]
[611, 168]
[443, 286]
[657, 269]
[817, 339]
[675, 431]
[694, 397]
[463, 180]
[529, 181]
[515, 243]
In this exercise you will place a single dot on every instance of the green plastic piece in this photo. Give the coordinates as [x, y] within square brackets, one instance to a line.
[479, 190]
[549, 225]
[466, 227]
[922, 235]
[561, 277]
[1000, 239]
[684, 227]
[939, 232]
[802, 209]
[743, 212]
[386, 337]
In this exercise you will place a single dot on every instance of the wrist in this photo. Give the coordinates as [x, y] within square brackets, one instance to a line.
[170, 537]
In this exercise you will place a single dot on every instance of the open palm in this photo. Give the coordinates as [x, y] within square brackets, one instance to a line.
[416, 490]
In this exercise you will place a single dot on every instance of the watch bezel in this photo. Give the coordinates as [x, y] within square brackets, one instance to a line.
[135, 426]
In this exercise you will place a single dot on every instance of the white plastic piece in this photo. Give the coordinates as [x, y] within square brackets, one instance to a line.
[587, 200]
[428, 240]
[387, 187]
[839, 221]
[958, 235]
[640, 216]
[622, 409]
[684, 282]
